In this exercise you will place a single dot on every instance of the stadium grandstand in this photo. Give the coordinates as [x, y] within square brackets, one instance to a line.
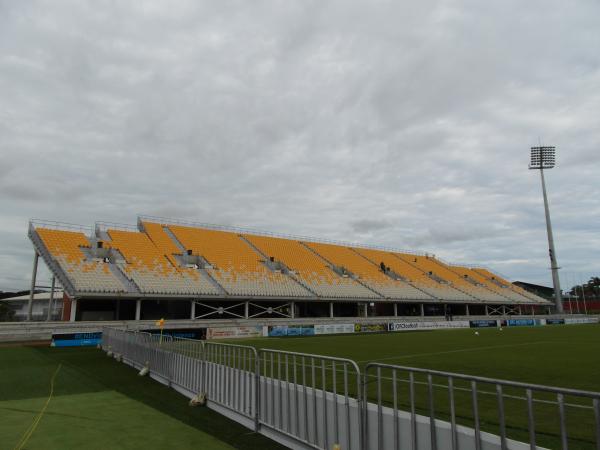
[178, 269]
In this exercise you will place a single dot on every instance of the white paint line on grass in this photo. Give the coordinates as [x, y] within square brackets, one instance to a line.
[460, 350]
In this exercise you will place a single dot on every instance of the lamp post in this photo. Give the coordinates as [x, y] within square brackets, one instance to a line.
[544, 158]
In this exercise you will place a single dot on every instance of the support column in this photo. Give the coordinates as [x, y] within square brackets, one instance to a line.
[422, 310]
[487, 311]
[246, 309]
[51, 300]
[293, 310]
[32, 288]
[193, 310]
[331, 310]
[138, 309]
[73, 310]
[395, 309]
[467, 310]
[366, 311]
[503, 310]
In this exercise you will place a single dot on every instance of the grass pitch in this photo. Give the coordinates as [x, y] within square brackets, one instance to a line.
[99, 403]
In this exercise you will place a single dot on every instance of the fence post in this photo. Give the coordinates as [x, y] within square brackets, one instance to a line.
[257, 408]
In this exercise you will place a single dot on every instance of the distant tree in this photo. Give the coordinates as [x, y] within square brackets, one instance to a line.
[591, 289]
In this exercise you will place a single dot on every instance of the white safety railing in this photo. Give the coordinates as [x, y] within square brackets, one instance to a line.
[312, 401]
[414, 400]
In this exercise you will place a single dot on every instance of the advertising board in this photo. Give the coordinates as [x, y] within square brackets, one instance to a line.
[521, 322]
[570, 320]
[370, 327]
[188, 333]
[76, 339]
[427, 325]
[291, 330]
[554, 321]
[482, 323]
[234, 332]
[334, 328]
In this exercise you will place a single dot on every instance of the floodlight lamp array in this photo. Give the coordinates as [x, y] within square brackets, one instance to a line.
[542, 157]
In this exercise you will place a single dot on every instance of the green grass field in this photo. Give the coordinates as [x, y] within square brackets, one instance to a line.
[99, 403]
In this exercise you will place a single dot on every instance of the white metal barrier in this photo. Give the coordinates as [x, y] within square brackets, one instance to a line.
[310, 401]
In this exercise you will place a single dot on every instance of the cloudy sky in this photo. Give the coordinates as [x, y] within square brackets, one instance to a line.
[384, 122]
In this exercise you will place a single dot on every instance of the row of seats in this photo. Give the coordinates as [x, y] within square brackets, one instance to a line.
[265, 266]
[507, 287]
[152, 271]
[311, 270]
[370, 274]
[235, 265]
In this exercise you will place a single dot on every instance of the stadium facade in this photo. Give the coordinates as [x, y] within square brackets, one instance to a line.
[181, 270]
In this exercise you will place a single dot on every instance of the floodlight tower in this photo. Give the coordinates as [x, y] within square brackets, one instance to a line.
[544, 158]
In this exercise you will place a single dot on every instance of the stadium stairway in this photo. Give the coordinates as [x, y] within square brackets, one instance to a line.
[452, 291]
[392, 274]
[129, 284]
[287, 273]
[332, 267]
[471, 276]
[477, 290]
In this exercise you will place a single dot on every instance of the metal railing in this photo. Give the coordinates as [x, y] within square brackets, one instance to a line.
[314, 401]
[230, 376]
[311, 398]
[417, 391]
[55, 225]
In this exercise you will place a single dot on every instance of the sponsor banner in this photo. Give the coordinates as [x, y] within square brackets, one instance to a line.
[292, 330]
[334, 328]
[188, 333]
[370, 327]
[520, 322]
[554, 321]
[581, 320]
[234, 332]
[482, 323]
[404, 326]
[76, 339]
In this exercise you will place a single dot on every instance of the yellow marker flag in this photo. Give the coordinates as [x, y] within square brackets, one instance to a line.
[161, 324]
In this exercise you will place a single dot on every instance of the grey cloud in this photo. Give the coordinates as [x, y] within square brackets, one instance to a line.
[367, 225]
[397, 124]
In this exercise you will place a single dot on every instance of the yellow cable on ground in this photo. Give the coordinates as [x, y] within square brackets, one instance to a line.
[37, 419]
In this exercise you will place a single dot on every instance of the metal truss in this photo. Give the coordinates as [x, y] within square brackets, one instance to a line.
[502, 310]
[219, 310]
[270, 310]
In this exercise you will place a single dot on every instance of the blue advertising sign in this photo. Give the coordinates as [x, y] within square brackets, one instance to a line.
[76, 339]
[555, 321]
[298, 330]
[482, 323]
[520, 322]
[188, 333]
